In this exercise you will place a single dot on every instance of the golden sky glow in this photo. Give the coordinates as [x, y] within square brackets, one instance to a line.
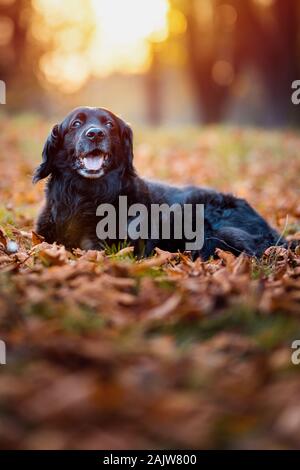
[97, 37]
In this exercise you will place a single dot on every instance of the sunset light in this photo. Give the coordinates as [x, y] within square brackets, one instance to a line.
[97, 37]
[123, 29]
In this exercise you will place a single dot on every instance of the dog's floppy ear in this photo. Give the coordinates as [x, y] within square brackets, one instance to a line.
[49, 151]
[127, 145]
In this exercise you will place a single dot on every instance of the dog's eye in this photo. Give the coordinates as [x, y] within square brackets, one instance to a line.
[76, 123]
[110, 124]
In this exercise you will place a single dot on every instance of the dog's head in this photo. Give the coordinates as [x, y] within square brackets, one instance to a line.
[89, 142]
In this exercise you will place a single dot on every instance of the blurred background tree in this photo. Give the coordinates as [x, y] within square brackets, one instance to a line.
[226, 38]
[159, 61]
[17, 50]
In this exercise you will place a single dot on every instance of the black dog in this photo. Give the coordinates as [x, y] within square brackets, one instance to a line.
[89, 158]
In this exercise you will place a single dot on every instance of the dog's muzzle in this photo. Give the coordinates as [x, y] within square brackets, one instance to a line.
[92, 164]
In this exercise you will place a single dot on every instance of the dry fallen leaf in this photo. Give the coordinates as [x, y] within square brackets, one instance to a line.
[3, 238]
[36, 238]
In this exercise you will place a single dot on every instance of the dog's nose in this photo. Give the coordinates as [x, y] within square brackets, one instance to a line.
[95, 133]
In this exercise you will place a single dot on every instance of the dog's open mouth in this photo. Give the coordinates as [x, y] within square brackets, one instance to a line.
[92, 164]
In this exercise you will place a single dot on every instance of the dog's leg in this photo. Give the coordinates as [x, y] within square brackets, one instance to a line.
[45, 225]
[149, 247]
[237, 241]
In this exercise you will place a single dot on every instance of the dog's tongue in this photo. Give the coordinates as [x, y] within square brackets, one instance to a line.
[93, 163]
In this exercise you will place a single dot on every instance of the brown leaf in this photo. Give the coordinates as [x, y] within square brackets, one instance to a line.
[161, 258]
[165, 309]
[3, 238]
[227, 258]
[36, 238]
[54, 255]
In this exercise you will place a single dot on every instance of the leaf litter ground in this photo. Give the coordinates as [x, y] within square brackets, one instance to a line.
[105, 351]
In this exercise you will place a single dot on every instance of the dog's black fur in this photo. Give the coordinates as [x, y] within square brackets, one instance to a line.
[73, 193]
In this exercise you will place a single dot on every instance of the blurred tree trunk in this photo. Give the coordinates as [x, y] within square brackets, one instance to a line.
[286, 66]
[19, 56]
[264, 37]
[14, 52]
[272, 48]
[210, 97]
[152, 83]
